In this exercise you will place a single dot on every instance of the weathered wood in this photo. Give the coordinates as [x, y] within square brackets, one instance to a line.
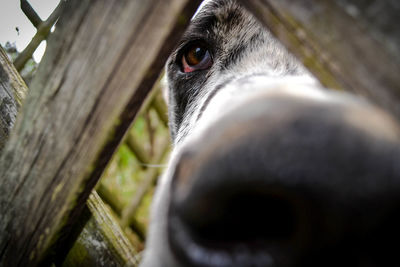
[113, 242]
[350, 44]
[99, 235]
[117, 207]
[12, 91]
[99, 65]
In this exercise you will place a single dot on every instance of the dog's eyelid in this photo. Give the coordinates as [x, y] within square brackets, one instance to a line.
[194, 56]
[191, 36]
[186, 42]
[184, 45]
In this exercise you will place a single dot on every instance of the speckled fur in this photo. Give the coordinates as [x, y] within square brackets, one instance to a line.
[239, 46]
[240, 49]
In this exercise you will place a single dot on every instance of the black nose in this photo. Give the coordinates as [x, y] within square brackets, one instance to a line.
[287, 181]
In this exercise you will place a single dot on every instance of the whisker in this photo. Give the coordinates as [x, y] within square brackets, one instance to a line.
[154, 165]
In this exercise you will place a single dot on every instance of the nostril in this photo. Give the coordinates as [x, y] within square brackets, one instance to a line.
[240, 216]
[236, 224]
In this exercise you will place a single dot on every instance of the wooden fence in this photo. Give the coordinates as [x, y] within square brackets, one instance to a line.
[85, 96]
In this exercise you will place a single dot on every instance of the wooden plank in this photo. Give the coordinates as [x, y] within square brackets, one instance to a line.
[117, 207]
[100, 64]
[114, 249]
[101, 233]
[347, 44]
[11, 81]
[12, 91]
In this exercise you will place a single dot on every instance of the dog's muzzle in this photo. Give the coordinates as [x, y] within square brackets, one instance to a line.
[285, 180]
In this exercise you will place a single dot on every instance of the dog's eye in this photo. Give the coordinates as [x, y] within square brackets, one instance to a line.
[196, 57]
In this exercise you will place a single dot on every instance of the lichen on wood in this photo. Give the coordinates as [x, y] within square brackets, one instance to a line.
[99, 235]
[101, 225]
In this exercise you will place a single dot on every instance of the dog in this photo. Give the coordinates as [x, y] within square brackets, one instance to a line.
[268, 167]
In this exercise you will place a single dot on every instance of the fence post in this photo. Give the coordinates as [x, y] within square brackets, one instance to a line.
[353, 45]
[99, 65]
[115, 249]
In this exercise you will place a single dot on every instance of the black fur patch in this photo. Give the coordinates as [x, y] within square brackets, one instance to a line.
[231, 35]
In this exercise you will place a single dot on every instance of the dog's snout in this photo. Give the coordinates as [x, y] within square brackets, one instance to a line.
[261, 189]
[214, 213]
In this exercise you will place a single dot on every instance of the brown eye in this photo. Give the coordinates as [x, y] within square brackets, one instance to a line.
[196, 57]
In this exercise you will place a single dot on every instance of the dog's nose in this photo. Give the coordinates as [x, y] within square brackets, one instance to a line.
[290, 181]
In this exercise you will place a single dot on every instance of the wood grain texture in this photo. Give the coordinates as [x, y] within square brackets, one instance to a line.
[102, 242]
[12, 91]
[11, 81]
[114, 249]
[347, 44]
[100, 64]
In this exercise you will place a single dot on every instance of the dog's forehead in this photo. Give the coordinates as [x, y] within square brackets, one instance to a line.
[221, 15]
[221, 20]
[219, 8]
[238, 46]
